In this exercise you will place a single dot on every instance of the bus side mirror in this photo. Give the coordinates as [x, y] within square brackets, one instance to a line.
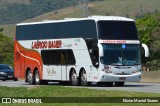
[100, 50]
[146, 49]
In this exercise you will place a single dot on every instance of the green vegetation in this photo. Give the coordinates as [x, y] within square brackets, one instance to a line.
[17, 11]
[6, 49]
[60, 91]
[149, 32]
[9, 30]
[128, 8]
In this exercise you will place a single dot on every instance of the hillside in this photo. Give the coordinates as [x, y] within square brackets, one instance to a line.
[128, 8]
[15, 11]
[4, 2]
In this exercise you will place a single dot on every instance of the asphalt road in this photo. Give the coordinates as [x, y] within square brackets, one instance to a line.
[129, 86]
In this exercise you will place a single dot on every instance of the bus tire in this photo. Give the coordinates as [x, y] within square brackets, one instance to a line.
[36, 76]
[83, 78]
[119, 83]
[30, 77]
[73, 78]
[15, 79]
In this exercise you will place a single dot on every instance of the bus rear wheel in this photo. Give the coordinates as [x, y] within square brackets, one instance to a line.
[74, 78]
[37, 78]
[119, 83]
[83, 78]
[30, 77]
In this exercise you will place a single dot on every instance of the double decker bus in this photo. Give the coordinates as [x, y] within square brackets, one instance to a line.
[100, 49]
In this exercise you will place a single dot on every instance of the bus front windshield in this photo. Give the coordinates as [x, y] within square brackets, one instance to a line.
[117, 30]
[121, 54]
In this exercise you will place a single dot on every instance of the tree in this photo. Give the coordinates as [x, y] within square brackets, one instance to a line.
[149, 33]
[6, 49]
[1, 30]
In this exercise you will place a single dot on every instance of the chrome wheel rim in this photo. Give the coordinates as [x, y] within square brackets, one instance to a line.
[37, 77]
[84, 79]
[30, 77]
[74, 79]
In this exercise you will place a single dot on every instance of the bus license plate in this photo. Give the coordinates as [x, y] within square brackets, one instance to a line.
[122, 78]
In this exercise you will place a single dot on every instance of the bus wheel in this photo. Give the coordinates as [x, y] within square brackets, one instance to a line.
[74, 78]
[119, 83]
[83, 78]
[36, 78]
[30, 77]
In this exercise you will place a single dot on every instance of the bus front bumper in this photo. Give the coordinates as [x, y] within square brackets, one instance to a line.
[120, 78]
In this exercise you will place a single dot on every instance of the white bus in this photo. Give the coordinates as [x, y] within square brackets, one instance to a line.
[100, 49]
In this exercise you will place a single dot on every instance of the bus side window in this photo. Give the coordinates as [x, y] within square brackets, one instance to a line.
[70, 59]
[63, 57]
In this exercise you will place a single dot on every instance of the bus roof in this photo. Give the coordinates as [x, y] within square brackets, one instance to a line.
[96, 18]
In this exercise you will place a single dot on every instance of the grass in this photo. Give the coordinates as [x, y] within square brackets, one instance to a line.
[60, 91]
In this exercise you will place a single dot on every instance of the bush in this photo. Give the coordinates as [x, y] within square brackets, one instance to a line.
[6, 50]
[149, 33]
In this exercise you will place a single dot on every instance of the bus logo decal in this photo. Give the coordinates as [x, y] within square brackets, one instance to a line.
[46, 44]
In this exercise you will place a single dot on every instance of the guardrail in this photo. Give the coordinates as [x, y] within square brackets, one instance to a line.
[150, 76]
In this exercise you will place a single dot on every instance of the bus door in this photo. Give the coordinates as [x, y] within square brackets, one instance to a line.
[57, 65]
[63, 65]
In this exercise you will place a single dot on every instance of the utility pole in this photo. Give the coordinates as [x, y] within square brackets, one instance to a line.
[84, 6]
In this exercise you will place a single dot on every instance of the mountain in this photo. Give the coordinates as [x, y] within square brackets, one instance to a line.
[128, 8]
[15, 11]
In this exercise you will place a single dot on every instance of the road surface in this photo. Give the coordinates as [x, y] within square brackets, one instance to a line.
[129, 86]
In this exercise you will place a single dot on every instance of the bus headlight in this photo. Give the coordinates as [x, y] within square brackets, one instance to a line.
[136, 71]
[107, 69]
